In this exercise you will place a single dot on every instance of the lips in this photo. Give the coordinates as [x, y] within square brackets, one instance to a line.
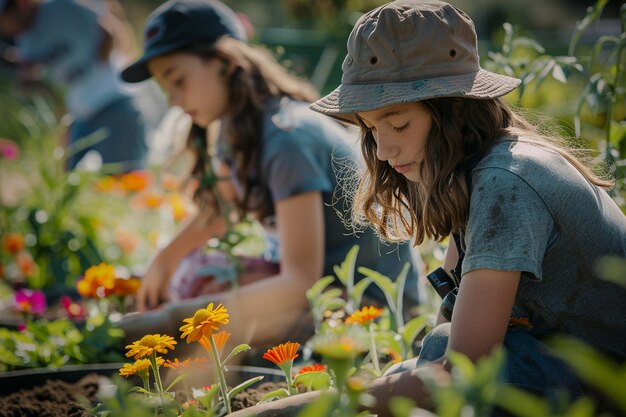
[401, 169]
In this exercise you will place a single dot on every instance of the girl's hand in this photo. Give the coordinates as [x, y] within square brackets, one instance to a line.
[155, 284]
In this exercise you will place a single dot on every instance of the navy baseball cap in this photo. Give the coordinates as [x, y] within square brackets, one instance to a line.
[178, 23]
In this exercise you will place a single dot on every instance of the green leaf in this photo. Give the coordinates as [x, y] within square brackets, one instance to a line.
[593, 13]
[359, 290]
[142, 390]
[412, 328]
[319, 286]
[237, 350]
[317, 380]
[244, 385]
[345, 271]
[383, 282]
[618, 134]
[279, 393]
[521, 403]
[401, 406]
[176, 381]
[463, 365]
[594, 368]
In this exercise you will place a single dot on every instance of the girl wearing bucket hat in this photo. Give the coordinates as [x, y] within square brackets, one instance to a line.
[275, 158]
[446, 156]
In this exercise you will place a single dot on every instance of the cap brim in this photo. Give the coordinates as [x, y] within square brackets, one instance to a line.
[348, 99]
[138, 70]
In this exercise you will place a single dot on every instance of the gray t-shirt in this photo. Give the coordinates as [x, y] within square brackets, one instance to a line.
[532, 211]
[304, 151]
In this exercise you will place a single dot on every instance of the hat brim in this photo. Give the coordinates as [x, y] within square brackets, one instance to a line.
[138, 71]
[348, 99]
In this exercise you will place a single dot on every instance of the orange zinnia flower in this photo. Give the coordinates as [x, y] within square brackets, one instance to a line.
[364, 315]
[13, 243]
[282, 353]
[150, 344]
[220, 340]
[124, 287]
[136, 180]
[25, 264]
[176, 364]
[204, 322]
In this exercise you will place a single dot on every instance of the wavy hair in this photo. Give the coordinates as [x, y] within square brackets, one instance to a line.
[256, 80]
[462, 131]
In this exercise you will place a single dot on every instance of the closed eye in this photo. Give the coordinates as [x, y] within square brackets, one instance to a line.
[179, 82]
[401, 128]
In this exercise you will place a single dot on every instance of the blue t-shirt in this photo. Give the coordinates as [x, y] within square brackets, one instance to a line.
[303, 151]
[66, 36]
[532, 211]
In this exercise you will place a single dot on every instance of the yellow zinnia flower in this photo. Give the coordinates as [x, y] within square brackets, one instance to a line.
[204, 322]
[364, 315]
[140, 365]
[149, 344]
[282, 353]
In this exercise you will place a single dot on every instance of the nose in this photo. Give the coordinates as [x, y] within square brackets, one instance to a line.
[385, 150]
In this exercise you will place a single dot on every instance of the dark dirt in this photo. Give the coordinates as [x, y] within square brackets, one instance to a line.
[57, 398]
[53, 399]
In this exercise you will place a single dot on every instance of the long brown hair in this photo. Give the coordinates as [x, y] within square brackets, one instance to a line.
[257, 79]
[462, 132]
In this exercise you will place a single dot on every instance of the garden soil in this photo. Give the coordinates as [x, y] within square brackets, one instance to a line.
[57, 398]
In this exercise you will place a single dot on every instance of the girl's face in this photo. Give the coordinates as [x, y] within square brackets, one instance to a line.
[197, 85]
[400, 132]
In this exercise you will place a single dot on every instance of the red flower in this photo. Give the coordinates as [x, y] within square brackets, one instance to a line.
[73, 310]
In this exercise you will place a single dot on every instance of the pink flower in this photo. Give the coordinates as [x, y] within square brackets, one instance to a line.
[30, 301]
[9, 150]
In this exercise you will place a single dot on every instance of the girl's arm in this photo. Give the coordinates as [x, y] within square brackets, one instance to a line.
[482, 310]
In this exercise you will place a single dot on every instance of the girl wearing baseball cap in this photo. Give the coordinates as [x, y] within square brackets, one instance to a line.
[275, 158]
[445, 156]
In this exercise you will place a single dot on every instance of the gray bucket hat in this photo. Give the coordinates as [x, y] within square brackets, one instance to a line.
[410, 50]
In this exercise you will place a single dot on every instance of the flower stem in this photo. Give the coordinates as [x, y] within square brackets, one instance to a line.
[157, 376]
[287, 370]
[220, 374]
[373, 351]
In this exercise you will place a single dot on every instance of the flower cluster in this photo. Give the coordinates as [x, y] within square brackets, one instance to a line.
[16, 263]
[101, 281]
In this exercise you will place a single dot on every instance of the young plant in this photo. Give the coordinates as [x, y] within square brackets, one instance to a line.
[365, 317]
[147, 348]
[201, 328]
[283, 356]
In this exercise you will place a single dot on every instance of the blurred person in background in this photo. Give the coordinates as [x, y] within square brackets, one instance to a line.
[73, 42]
